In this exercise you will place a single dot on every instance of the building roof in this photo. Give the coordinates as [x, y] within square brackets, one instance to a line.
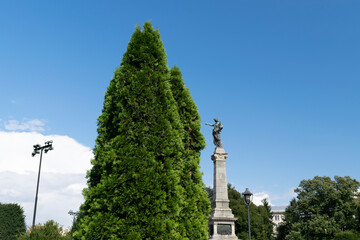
[278, 208]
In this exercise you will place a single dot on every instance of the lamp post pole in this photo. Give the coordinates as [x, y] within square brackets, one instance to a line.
[247, 199]
[39, 149]
[249, 230]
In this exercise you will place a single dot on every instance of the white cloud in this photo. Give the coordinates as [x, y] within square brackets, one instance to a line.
[73, 188]
[33, 125]
[284, 196]
[68, 155]
[291, 193]
[62, 177]
[258, 197]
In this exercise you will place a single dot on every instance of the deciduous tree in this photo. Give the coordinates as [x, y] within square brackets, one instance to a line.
[323, 208]
[50, 230]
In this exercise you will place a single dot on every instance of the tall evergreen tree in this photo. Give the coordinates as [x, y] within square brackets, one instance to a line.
[196, 207]
[268, 227]
[135, 188]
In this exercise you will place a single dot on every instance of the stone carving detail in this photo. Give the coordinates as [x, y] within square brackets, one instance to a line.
[224, 229]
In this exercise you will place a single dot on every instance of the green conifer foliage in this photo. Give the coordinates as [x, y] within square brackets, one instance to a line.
[134, 189]
[12, 221]
[196, 208]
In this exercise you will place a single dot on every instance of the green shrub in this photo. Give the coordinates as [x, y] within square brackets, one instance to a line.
[49, 231]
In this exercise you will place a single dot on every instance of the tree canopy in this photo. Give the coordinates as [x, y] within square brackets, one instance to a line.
[323, 209]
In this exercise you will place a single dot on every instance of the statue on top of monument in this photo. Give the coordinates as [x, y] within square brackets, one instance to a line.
[216, 132]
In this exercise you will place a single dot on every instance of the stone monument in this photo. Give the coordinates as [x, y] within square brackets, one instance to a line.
[221, 221]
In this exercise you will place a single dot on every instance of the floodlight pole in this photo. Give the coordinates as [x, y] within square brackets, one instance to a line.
[37, 189]
[74, 214]
[37, 148]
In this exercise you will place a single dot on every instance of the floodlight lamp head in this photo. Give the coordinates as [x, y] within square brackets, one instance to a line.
[48, 149]
[36, 150]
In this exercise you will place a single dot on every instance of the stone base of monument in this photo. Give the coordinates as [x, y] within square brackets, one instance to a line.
[221, 221]
[222, 228]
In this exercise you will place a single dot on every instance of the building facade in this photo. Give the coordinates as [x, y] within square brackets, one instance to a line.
[278, 216]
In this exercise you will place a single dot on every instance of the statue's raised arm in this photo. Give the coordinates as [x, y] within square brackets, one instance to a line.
[216, 132]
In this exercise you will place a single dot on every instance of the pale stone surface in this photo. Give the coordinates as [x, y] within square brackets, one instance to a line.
[221, 221]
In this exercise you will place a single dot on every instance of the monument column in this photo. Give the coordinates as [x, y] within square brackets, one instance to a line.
[221, 221]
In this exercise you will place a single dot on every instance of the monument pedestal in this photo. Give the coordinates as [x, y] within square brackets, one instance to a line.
[221, 221]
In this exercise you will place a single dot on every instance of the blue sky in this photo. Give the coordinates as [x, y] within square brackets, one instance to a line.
[282, 76]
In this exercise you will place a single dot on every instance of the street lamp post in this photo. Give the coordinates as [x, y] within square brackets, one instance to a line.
[247, 199]
[39, 149]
